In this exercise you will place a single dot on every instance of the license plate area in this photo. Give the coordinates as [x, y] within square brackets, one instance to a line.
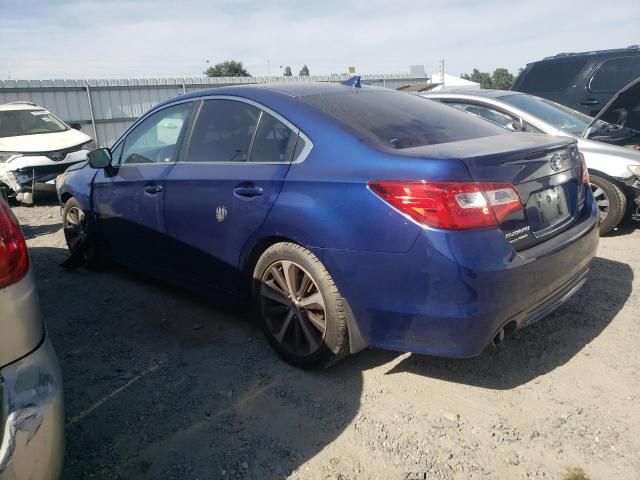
[547, 209]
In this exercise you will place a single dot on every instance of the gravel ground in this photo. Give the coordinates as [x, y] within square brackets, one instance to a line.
[160, 383]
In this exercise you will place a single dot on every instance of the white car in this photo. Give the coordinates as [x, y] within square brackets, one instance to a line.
[611, 151]
[35, 147]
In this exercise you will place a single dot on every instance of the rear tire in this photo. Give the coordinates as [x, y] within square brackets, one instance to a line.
[300, 308]
[611, 202]
[78, 235]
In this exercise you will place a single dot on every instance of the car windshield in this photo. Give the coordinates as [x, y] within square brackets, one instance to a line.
[28, 122]
[400, 120]
[553, 113]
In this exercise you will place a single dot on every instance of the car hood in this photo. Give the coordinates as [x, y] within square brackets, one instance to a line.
[43, 142]
[614, 152]
[617, 109]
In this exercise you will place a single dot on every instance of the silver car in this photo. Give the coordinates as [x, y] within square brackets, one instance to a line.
[611, 151]
[31, 406]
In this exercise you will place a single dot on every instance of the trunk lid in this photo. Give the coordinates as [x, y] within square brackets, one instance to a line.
[546, 172]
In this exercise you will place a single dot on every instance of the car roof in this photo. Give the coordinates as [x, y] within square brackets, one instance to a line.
[19, 106]
[632, 49]
[291, 89]
[486, 93]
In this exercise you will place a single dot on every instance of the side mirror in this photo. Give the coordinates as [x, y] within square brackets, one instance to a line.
[515, 126]
[76, 126]
[99, 158]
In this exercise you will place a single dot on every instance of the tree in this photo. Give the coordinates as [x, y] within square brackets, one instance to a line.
[228, 68]
[287, 71]
[502, 79]
[304, 72]
[483, 78]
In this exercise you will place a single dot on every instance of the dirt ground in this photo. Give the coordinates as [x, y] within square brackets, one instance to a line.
[160, 383]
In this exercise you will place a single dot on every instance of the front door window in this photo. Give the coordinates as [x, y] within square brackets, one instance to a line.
[156, 139]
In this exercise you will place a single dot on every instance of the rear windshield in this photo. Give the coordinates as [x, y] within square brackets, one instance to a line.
[554, 76]
[400, 120]
[28, 122]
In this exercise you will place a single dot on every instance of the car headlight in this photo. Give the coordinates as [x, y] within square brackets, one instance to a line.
[6, 156]
[90, 145]
[634, 169]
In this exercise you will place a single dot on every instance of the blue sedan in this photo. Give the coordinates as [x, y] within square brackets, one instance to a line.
[352, 216]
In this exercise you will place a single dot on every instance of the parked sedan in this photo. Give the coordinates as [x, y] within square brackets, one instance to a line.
[354, 216]
[31, 409]
[611, 151]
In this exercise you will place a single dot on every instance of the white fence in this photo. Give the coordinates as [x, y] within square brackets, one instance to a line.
[105, 108]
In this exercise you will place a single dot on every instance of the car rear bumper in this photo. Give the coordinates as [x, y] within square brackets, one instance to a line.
[32, 417]
[453, 291]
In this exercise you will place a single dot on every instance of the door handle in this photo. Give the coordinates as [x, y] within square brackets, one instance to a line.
[589, 101]
[152, 188]
[248, 191]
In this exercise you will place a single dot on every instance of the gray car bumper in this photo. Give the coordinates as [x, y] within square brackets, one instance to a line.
[32, 417]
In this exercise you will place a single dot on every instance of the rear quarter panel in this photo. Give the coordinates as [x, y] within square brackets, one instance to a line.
[325, 201]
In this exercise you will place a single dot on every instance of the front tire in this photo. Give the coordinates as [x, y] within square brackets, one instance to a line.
[302, 313]
[611, 202]
[81, 241]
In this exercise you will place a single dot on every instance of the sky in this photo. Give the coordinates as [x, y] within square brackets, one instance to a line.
[47, 39]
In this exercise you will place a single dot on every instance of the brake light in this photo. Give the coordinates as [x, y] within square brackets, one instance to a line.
[585, 170]
[451, 205]
[14, 257]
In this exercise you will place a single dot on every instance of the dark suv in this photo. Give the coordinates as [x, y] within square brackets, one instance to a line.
[583, 81]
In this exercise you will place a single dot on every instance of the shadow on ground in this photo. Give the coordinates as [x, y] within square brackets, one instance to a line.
[627, 227]
[160, 383]
[543, 346]
[34, 231]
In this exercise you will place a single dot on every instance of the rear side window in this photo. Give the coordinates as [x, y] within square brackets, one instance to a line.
[615, 73]
[487, 113]
[554, 76]
[223, 132]
[274, 141]
[400, 120]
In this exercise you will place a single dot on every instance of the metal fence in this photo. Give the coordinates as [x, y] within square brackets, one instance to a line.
[105, 108]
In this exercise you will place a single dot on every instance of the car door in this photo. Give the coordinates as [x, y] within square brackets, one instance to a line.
[221, 191]
[609, 77]
[128, 197]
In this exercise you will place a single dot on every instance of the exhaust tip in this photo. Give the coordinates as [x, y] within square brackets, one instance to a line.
[508, 329]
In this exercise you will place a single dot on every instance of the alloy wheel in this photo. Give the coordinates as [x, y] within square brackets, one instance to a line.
[602, 201]
[293, 307]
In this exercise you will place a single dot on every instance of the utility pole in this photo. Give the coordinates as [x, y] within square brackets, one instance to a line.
[442, 72]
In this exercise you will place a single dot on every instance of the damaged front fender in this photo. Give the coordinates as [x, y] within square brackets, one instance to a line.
[8, 178]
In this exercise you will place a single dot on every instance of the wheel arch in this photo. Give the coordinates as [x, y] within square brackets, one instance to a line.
[257, 248]
[64, 198]
[248, 263]
[606, 176]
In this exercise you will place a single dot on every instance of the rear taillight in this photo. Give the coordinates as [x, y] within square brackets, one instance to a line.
[585, 170]
[451, 205]
[14, 257]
